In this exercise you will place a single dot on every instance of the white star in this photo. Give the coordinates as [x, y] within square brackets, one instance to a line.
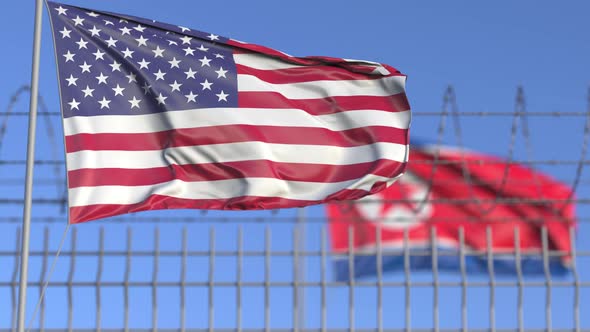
[139, 28]
[160, 75]
[222, 96]
[213, 37]
[161, 99]
[217, 55]
[88, 92]
[74, 104]
[206, 85]
[190, 73]
[104, 103]
[146, 88]
[71, 80]
[98, 55]
[183, 29]
[85, 67]
[143, 64]
[111, 42]
[102, 78]
[188, 51]
[82, 44]
[203, 48]
[94, 31]
[78, 21]
[123, 21]
[116, 66]
[186, 40]
[93, 14]
[107, 22]
[128, 53]
[118, 90]
[205, 62]
[221, 73]
[191, 97]
[175, 86]
[134, 102]
[125, 31]
[172, 42]
[174, 63]
[61, 10]
[65, 33]
[141, 41]
[69, 56]
[158, 52]
[132, 78]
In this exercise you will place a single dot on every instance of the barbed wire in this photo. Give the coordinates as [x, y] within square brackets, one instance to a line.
[558, 114]
[104, 258]
[440, 162]
[204, 217]
[49, 130]
[449, 111]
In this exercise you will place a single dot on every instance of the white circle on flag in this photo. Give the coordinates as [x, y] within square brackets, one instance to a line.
[405, 204]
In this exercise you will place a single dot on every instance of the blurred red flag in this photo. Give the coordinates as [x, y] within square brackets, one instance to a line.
[440, 195]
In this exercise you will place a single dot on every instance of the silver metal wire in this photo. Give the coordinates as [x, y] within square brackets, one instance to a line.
[272, 280]
[272, 271]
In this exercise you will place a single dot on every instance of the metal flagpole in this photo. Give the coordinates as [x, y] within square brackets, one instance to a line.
[24, 262]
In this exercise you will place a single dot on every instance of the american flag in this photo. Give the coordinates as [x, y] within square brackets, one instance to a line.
[159, 116]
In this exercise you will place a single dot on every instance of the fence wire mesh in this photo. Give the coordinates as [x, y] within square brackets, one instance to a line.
[272, 270]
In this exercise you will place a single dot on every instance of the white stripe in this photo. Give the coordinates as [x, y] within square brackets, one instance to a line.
[221, 189]
[253, 45]
[443, 243]
[386, 86]
[229, 152]
[264, 62]
[207, 117]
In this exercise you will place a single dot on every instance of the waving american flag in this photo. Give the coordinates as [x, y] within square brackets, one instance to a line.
[158, 116]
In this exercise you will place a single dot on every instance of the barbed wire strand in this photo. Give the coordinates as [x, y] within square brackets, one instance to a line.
[51, 136]
[439, 138]
[583, 151]
[8, 112]
[552, 114]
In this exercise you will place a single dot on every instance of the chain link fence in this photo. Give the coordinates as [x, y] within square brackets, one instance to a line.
[273, 270]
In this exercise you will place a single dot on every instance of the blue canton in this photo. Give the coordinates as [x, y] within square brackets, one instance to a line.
[111, 64]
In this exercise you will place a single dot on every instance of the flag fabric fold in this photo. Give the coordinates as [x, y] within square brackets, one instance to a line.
[450, 198]
[159, 116]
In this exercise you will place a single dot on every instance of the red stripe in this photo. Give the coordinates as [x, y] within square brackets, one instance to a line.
[304, 74]
[234, 134]
[322, 106]
[232, 170]
[79, 214]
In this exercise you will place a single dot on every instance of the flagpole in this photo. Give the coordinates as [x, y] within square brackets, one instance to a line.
[24, 262]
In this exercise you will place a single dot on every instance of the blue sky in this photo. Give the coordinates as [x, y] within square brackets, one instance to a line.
[484, 49]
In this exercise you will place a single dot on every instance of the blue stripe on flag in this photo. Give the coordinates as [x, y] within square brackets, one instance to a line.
[448, 260]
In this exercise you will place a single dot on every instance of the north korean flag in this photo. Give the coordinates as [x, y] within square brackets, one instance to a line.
[450, 197]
